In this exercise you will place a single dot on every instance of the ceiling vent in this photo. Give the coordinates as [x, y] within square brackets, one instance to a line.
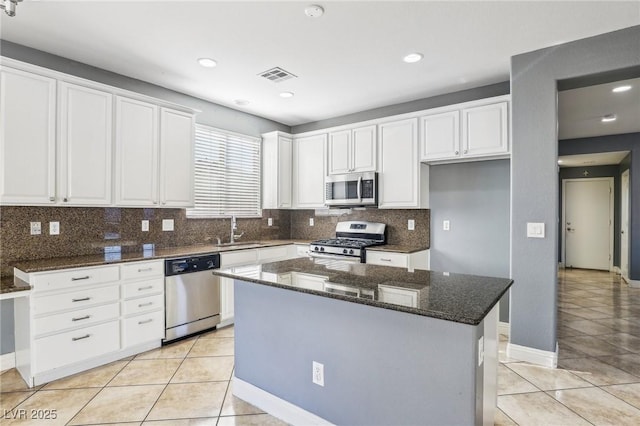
[277, 75]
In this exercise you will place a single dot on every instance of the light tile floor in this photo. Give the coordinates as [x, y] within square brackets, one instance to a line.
[597, 381]
[188, 383]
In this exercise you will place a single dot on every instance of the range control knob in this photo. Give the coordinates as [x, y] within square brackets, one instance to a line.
[321, 248]
[210, 264]
[351, 251]
[345, 251]
[316, 248]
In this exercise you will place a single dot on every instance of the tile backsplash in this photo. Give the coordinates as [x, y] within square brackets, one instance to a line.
[88, 230]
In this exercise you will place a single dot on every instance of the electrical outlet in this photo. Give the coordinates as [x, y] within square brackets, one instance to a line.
[54, 228]
[411, 224]
[310, 221]
[270, 221]
[36, 228]
[446, 225]
[318, 373]
[145, 226]
[480, 351]
[167, 224]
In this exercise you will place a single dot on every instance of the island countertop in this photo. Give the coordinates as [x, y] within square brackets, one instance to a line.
[453, 297]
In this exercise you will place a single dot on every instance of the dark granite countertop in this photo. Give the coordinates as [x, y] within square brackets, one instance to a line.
[398, 248]
[460, 298]
[51, 264]
[9, 284]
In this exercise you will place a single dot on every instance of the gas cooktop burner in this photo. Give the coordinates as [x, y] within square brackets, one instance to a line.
[351, 240]
[346, 242]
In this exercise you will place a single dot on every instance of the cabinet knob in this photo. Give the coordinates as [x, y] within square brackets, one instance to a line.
[65, 199]
[457, 152]
[52, 198]
[465, 151]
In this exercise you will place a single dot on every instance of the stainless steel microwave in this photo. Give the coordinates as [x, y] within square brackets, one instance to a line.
[351, 190]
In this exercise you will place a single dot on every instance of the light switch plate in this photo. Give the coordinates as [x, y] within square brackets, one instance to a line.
[145, 226]
[535, 230]
[480, 351]
[446, 225]
[310, 221]
[54, 228]
[36, 228]
[167, 224]
[411, 224]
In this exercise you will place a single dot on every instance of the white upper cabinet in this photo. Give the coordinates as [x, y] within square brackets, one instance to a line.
[27, 138]
[352, 150]
[136, 153]
[402, 179]
[471, 131]
[176, 158]
[309, 169]
[85, 145]
[485, 130]
[276, 170]
[440, 136]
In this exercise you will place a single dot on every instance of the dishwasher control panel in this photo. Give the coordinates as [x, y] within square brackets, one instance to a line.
[190, 264]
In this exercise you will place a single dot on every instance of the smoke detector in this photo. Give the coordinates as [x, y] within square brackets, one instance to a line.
[314, 11]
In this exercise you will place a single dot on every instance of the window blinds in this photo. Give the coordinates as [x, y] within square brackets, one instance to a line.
[227, 174]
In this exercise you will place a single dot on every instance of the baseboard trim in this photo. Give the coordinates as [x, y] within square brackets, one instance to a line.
[504, 328]
[632, 283]
[275, 406]
[7, 361]
[532, 355]
[616, 270]
[225, 323]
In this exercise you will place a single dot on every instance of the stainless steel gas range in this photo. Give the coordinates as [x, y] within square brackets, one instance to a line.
[352, 239]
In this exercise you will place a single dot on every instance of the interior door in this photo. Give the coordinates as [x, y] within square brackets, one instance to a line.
[588, 223]
[624, 224]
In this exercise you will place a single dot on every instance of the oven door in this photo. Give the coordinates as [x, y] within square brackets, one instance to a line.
[342, 258]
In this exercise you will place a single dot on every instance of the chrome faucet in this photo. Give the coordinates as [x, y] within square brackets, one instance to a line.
[234, 227]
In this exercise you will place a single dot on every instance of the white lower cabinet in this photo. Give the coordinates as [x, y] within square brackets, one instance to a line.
[415, 260]
[80, 318]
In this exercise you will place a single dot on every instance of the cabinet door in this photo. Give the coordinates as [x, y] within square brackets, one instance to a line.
[485, 130]
[364, 149]
[176, 158]
[398, 157]
[85, 123]
[136, 153]
[27, 138]
[309, 171]
[340, 152]
[440, 136]
[276, 171]
[226, 299]
[284, 171]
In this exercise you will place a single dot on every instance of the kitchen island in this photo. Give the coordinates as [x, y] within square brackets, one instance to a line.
[395, 346]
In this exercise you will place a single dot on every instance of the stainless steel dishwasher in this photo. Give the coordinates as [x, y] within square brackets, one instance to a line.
[192, 295]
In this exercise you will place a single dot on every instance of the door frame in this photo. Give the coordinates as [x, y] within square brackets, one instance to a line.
[626, 194]
[611, 215]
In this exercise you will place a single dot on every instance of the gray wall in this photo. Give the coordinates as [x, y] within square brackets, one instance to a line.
[7, 343]
[594, 172]
[497, 89]
[534, 194]
[624, 142]
[474, 197]
[381, 367]
[212, 114]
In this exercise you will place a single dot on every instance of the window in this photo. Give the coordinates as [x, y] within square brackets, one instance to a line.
[227, 174]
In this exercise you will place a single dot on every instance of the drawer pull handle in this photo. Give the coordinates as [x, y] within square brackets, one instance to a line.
[149, 287]
[145, 269]
[81, 318]
[145, 321]
[80, 278]
[385, 260]
[75, 339]
[84, 299]
[141, 305]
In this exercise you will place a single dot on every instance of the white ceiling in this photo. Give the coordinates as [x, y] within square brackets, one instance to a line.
[346, 61]
[591, 160]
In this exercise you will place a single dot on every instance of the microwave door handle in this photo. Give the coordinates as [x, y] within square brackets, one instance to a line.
[360, 188]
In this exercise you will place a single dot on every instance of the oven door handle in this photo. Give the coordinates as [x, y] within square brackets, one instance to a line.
[360, 188]
[334, 257]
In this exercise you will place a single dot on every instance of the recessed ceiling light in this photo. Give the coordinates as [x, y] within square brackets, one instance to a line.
[314, 11]
[286, 95]
[620, 89]
[413, 57]
[241, 102]
[207, 62]
[609, 117]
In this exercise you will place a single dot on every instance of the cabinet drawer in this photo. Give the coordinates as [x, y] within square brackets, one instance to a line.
[143, 288]
[272, 253]
[75, 346]
[78, 318]
[398, 296]
[69, 278]
[145, 304]
[387, 259]
[76, 299]
[142, 328]
[240, 257]
[141, 270]
[302, 250]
